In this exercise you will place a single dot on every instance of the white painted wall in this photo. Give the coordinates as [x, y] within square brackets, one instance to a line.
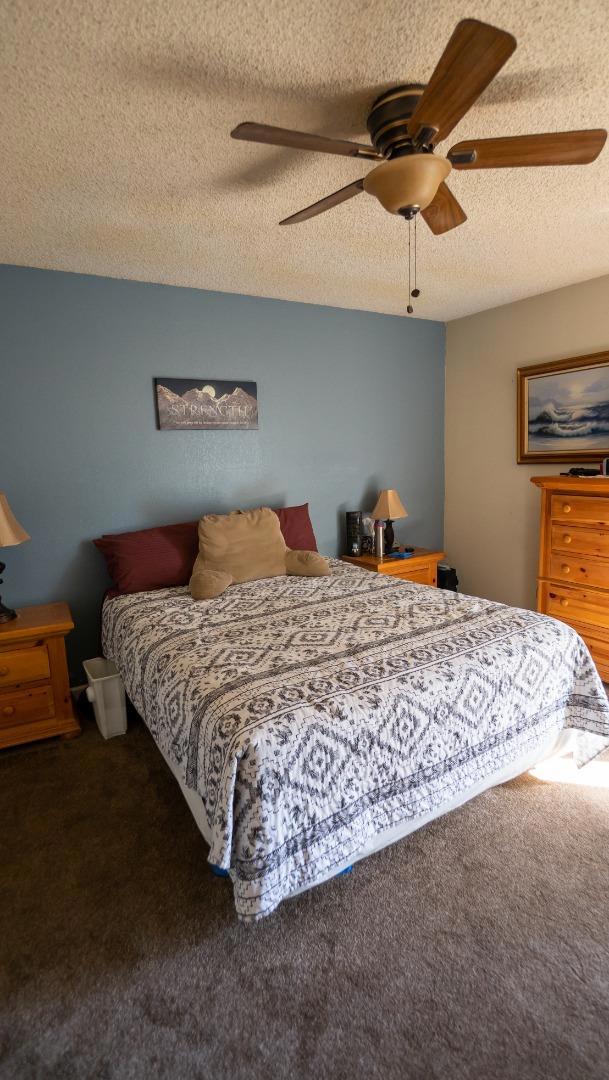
[491, 523]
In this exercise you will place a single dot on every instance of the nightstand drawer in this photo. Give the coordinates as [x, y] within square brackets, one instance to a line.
[25, 706]
[24, 665]
[421, 566]
[422, 576]
[35, 699]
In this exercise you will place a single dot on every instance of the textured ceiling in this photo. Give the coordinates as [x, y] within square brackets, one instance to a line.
[116, 156]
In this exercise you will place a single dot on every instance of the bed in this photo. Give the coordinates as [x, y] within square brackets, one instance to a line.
[311, 721]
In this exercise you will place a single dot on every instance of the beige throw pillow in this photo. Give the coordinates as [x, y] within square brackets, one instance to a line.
[306, 564]
[244, 546]
[247, 544]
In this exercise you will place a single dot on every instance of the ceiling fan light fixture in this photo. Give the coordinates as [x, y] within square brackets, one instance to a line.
[410, 181]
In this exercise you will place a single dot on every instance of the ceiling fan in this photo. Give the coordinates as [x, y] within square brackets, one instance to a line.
[406, 123]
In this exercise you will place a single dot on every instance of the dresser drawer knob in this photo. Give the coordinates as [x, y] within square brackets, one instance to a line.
[567, 538]
[564, 602]
[566, 569]
[8, 710]
[566, 508]
[3, 671]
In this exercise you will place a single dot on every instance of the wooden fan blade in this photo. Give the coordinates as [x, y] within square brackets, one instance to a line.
[472, 58]
[444, 212]
[555, 148]
[325, 204]
[301, 140]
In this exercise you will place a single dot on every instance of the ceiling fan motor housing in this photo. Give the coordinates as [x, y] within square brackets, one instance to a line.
[389, 116]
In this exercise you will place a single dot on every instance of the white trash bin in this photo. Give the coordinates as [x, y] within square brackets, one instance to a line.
[107, 693]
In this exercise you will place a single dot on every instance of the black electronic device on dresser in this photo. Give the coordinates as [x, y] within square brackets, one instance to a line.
[354, 532]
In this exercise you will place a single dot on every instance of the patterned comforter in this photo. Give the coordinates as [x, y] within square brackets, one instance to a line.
[312, 714]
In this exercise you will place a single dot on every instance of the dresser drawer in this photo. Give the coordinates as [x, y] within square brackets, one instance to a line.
[24, 665]
[580, 571]
[583, 540]
[599, 651]
[580, 508]
[575, 605]
[26, 706]
[598, 646]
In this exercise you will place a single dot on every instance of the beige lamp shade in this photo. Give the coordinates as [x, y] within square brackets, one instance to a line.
[11, 532]
[389, 506]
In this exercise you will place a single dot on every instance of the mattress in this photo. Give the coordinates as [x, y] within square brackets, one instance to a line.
[314, 719]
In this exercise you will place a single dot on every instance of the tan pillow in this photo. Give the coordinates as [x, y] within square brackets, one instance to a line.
[247, 544]
[306, 564]
[207, 584]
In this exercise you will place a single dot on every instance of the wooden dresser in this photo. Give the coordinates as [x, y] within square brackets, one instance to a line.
[573, 576]
[422, 566]
[35, 700]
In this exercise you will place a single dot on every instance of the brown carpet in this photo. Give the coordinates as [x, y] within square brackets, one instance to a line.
[477, 948]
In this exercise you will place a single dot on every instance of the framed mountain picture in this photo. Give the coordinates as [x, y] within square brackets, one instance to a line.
[563, 410]
[206, 403]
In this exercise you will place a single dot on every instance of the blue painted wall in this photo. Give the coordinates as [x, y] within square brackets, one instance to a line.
[349, 402]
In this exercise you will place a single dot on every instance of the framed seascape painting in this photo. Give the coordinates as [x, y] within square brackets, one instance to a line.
[206, 403]
[563, 410]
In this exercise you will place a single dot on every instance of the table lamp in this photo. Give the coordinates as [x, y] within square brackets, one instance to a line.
[388, 508]
[11, 533]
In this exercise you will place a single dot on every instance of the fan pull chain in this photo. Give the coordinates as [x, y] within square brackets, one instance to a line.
[416, 291]
[410, 308]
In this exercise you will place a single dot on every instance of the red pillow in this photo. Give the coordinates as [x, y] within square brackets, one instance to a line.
[151, 558]
[296, 527]
[163, 556]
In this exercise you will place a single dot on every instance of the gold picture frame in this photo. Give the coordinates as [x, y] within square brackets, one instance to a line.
[563, 410]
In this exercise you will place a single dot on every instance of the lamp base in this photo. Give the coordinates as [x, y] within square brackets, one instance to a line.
[389, 537]
[6, 613]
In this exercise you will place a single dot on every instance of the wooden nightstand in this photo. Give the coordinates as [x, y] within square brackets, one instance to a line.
[35, 700]
[421, 567]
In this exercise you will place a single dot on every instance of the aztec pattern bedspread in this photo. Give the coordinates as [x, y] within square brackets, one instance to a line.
[312, 714]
